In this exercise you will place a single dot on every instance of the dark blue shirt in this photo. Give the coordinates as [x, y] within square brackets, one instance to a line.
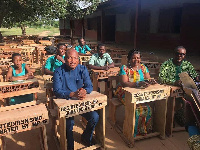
[66, 81]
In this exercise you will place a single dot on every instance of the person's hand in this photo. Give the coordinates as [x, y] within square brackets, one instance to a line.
[152, 81]
[30, 75]
[178, 83]
[106, 68]
[143, 84]
[59, 57]
[81, 93]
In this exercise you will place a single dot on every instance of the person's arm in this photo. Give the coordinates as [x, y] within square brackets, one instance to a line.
[81, 54]
[47, 67]
[29, 72]
[165, 76]
[110, 61]
[9, 76]
[92, 62]
[87, 48]
[95, 67]
[112, 65]
[192, 72]
[60, 58]
[59, 90]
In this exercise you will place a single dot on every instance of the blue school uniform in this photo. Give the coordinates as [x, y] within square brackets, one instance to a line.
[23, 98]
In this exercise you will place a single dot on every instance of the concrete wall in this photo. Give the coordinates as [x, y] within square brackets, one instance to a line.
[91, 35]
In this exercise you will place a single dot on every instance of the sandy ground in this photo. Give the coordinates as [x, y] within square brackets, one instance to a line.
[29, 140]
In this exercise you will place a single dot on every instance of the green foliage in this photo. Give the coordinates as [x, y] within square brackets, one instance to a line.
[78, 9]
[39, 13]
[28, 11]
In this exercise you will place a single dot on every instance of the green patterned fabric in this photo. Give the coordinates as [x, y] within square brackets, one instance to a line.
[169, 72]
[194, 142]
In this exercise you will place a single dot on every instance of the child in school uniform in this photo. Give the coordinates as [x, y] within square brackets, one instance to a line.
[55, 61]
[16, 72]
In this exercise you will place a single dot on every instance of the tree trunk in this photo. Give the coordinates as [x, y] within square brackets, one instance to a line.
[1, 37]
[23, 29]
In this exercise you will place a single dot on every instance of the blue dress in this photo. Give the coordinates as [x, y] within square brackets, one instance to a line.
[23, 98]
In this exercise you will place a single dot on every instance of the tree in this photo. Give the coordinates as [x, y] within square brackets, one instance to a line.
[79, 9]
[29, 11]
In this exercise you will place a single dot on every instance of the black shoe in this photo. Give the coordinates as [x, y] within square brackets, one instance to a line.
[87, 143]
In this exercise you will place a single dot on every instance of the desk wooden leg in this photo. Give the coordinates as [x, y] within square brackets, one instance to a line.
[95, 84]
[160, 117]
[62, 127]
[100, 128]
[170, 115]
[36, 97]
[2, 143]
[43, 138]
[129, 121]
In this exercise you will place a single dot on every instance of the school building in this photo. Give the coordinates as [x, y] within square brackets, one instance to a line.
[162, 24]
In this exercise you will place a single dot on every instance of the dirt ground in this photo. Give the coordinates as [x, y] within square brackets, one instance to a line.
[29, 140]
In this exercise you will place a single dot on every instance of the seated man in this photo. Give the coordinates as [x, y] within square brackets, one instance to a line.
[101, 60]
[170, 69]
[72, 80]
[169, 74]
[82, 48]
[55, 61]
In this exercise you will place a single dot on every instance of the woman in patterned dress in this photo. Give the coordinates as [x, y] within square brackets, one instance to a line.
[135, 74]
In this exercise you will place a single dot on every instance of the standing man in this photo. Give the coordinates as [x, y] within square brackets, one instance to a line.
[101, 60]
[72, 80]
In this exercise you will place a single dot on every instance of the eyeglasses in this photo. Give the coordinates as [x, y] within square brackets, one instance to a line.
[182, 54]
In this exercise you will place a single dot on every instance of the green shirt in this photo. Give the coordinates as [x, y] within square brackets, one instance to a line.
[98, 61]
[169, 72]
[52, 63]
[83, 49]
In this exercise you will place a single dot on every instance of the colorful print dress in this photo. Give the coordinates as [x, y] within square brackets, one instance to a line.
[143, 114]
[133, 76]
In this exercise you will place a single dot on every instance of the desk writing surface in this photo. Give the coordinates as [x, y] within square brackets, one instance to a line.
[10, 89]
[151, 93]
[18, 82]
[69, 108]
[24, 118]
[111, 69]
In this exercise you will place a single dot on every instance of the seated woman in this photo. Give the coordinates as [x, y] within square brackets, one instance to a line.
[133, 75]
[56, 61]
[136, 75]
[19, 71]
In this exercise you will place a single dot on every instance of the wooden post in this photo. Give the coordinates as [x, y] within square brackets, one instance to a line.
[2, 143]
[95, 82]
[170, 115]
[129, 121]
[100, 132]
[62, 127]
